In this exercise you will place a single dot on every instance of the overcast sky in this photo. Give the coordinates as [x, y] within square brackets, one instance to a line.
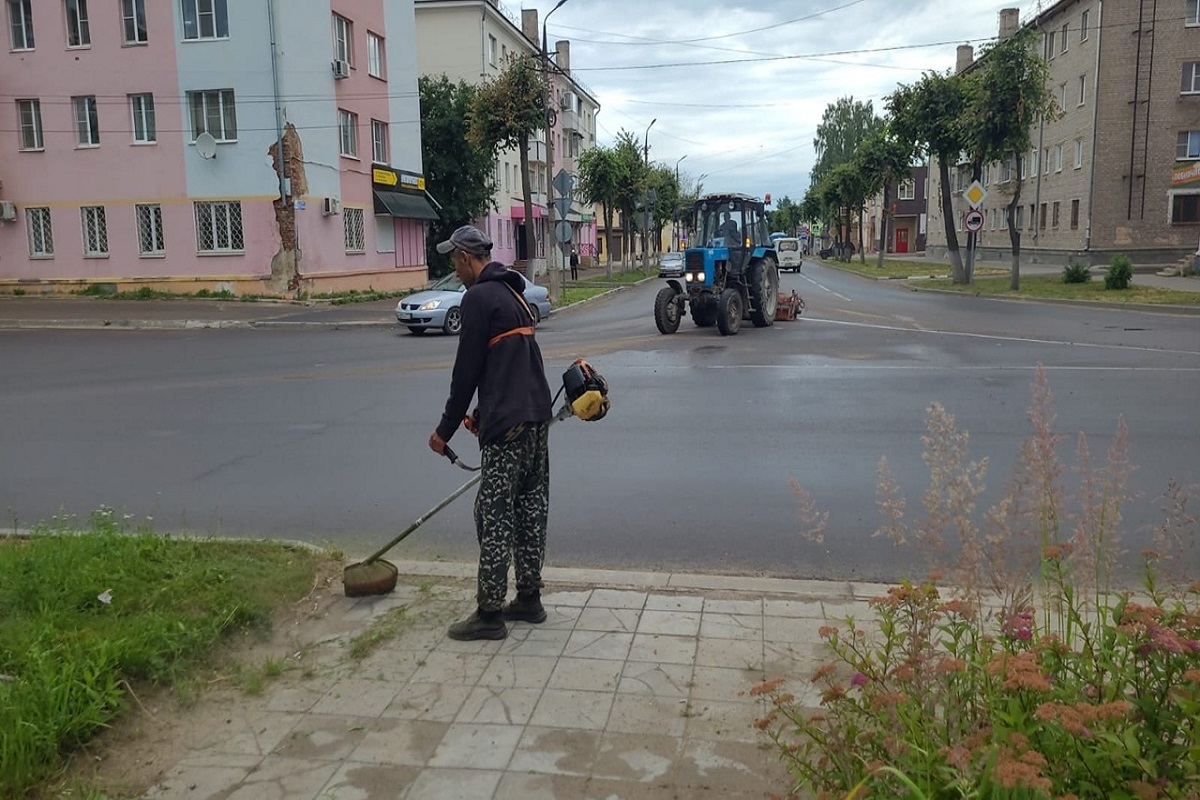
[750, 125]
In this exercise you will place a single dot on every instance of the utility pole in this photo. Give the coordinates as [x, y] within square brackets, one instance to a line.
[676, 215]
[549, 241]
[646, 197]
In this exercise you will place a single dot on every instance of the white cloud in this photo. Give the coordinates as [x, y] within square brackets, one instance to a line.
[750, 125]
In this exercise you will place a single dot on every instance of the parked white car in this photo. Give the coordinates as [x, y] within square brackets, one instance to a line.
[790, 253]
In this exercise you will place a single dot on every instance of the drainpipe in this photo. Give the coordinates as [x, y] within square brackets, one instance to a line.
[278, 109]
[1087, 238]
[1041, 168]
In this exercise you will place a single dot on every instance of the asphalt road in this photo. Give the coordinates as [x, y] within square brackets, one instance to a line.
[320, 434]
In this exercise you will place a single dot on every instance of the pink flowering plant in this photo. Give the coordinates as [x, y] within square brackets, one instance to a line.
[1036, 675]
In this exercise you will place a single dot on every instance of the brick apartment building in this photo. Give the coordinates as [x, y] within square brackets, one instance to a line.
[471, 41]
[1119, 171]
[139, 140]
[909, 216]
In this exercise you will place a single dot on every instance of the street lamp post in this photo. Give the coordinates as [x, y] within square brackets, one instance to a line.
[549, 233]
[676, 232]
[646, 197]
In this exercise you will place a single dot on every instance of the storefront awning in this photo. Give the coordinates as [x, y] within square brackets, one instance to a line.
[406, 205]
[518, 212]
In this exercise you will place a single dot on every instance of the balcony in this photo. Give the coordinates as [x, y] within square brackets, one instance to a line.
[537, 151]
[569, 120]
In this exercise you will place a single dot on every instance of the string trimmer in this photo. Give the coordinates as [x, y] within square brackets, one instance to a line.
[586, 397]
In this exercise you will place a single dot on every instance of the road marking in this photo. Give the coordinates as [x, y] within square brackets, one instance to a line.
[825, 288]
[904, 368]
[998, 338]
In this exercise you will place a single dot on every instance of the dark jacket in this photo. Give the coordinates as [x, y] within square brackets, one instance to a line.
[509, 376]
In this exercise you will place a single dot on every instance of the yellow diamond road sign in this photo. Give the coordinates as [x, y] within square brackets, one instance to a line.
[975, 194]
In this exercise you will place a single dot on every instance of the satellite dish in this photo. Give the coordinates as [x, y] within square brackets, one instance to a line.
[206, 145]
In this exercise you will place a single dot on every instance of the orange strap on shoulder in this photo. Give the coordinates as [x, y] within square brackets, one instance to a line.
[526, 331]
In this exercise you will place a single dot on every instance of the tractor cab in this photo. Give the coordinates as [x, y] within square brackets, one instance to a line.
[735, 224]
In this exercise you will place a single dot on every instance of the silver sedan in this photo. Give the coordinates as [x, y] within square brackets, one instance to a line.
[438, 306]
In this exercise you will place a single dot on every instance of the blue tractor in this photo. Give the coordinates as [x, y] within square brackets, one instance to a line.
[733, 273]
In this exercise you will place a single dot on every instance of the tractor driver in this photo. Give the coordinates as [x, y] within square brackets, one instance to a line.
[729, 230]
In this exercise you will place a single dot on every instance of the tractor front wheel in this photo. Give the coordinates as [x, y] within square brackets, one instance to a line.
[762, 281]
[729, 312]
[666, 310]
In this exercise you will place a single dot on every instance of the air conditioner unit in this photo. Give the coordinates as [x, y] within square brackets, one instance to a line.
[341, 69]
[331, 206]
[8, 211]
[566, 101]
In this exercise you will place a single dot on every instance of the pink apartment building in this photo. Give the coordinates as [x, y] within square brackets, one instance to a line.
[139, 146]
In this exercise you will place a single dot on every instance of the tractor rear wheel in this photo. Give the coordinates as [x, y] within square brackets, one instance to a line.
[762, 281]
[705, 316]
[729, 312]
[666, 310]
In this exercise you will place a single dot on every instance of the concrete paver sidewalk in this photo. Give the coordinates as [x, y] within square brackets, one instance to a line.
[636, 686]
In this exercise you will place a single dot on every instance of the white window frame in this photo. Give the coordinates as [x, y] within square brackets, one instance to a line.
[79, 34]
[1175, 195]
[134, 28]
[1058, 157]
[212, 209]
[95, 231]
[1192, 15]
[1066, 36]
[1084, 19]
[343, 39]
[31, 135]
[41, 240]
[492, 49]
[1062, 96]
[354, 231]
[1083, 89]
[202, 101]
[379, 142]
[1034, 161]
[201, 14]
[148, 221]
[20, 16]
[1079, 154]
[347, 133]
[87, 121]
[906, 189]
[1194, 82]
[1050, 52]
[141, 108]
[376, 56]
[1187, 146]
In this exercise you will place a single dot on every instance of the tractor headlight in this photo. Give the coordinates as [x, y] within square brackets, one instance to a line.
[431, 305]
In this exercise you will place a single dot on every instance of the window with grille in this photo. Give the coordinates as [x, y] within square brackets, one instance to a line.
[1187, 147]
[1190, 84]
[379, 142]
[87, 122]
[348, 133]
[133, 17]
[1074, 215]
[95, 231]
[214, 112]
[142, 107]
[1185, 208]
[219, 227]
[150, 230]
[343, 39]
[41, 235]
[29, 112]
[205, 19]
[375, 55]
[78, 31]
[1192, 17]
[20, 24]
[355, 233]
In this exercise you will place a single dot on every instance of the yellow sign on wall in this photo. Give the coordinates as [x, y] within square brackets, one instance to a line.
[385, 177]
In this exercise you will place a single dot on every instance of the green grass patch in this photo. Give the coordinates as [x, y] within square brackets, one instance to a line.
[85, 614]
[1051, 287]
[355, 296]
[898, 268]
[578, 294]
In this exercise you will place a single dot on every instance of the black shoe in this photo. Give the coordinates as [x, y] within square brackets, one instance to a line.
[526, 608]
[480, 625]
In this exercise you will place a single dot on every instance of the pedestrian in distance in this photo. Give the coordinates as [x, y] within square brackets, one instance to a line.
[499, 358]
[574, 264]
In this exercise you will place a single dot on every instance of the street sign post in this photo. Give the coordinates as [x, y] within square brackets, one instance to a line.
[975, 194]
[562, 232]
[563, 182]
[973, 220]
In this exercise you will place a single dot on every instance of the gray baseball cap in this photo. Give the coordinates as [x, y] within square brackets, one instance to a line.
[469, 239]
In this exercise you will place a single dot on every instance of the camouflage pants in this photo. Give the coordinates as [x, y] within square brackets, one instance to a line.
[511, 510]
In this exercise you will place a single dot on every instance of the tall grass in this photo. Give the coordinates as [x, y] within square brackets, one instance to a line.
[84, 615]
[1030, 672]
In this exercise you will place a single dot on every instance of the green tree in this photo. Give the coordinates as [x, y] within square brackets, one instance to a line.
[628, 152]
[883, 160]
[661, 180]
[786, 216]
[601, 178]
[508, 110]
[458, 173]
[1011, 96]
[844, 189]
[844, 126]
[928, 115]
